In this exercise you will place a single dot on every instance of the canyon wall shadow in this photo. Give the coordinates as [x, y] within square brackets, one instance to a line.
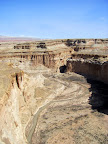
[99, 96]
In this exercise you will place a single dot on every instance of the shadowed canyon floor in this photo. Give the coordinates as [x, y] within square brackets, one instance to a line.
[40, 105]
[69, 118]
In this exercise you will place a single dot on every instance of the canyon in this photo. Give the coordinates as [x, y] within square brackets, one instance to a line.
[54, 91]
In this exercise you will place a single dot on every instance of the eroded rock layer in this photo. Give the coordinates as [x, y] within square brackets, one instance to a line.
[49, 93]
[92, 69]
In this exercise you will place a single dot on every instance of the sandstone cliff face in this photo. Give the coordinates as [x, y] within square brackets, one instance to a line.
[50, 59]
[92, 69]
[11, 130]
[20, 101]
[91, 65]
[56, 52]
[40, 106]
[10, 123]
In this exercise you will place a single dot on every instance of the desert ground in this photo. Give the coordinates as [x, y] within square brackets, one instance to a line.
[54, 91]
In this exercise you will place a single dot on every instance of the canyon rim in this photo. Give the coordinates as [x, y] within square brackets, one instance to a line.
[54, 91]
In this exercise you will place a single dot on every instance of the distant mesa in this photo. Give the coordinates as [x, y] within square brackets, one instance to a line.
[10, 39]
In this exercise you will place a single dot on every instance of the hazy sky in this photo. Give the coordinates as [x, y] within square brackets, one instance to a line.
[54, 18]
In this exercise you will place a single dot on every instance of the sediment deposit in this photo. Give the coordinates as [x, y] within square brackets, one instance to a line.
[54, 92]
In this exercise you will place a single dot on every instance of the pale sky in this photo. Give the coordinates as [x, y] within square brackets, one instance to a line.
[54, 18]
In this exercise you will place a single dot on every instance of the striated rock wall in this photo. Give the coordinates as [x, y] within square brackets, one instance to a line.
[50, 59]
[17, 104]
[20, 99]
[92, 69]
[58, 59]
[23, 96]
[11, 130]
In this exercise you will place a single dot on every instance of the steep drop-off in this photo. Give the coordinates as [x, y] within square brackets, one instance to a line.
[49, 94]
[91, 69]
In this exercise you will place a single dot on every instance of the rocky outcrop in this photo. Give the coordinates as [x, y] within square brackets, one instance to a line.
[11, 130]
[19, 101]
[50, 59]
[91, 69]
[38, 105]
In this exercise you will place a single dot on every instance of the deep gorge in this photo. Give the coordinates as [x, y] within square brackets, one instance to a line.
[54, 94]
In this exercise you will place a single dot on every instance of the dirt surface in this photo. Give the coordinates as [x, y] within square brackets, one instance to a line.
[43, 99]
[69, 118]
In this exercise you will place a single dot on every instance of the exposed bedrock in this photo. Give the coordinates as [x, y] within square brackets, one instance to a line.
[91, 69]
[96, 74]
[21, 96]
[51, 60]
[41, 103]
[94, 66]
[11, 130]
